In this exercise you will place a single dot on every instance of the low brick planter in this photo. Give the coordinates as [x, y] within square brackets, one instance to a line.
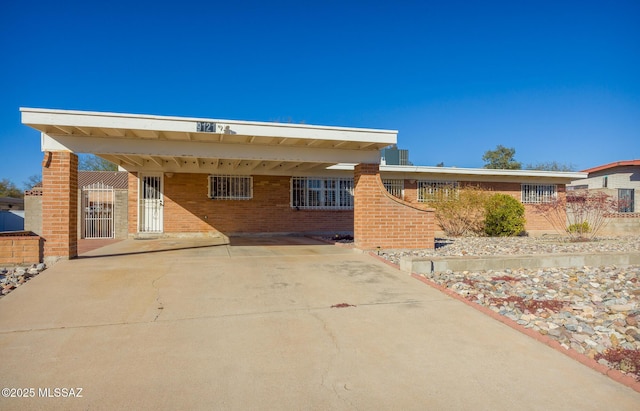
[20, 247]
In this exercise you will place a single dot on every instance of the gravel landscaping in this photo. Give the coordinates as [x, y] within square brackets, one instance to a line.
[13, 277]
[592, 310]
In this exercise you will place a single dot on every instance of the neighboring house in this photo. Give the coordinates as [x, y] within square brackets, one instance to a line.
[621, 181]
[192, 176]
[11, 214]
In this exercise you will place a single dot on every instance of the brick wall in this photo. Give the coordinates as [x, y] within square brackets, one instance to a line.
[535, 223]
[132, 203]
[20, 249]
[187, 209]
[60, 205]
[381, 220]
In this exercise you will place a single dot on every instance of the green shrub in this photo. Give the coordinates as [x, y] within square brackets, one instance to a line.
[579, 228]
[504, 216]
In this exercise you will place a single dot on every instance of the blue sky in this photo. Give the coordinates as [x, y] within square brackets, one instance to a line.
[556, 80]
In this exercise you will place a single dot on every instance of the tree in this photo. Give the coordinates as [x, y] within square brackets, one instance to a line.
[32, 181]
[8, 189]
[551, 166]
[90, 162]
[580, 214]
[501, 158]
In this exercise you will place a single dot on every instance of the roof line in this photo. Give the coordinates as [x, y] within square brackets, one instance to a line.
[621, 163]
[177, 118]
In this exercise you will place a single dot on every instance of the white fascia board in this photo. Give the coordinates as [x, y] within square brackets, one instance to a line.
[31, 116]
[570, 175]
[417, 172]
[98, 145]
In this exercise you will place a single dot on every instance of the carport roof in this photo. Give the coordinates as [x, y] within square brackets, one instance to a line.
[163, 143]
[152, 127]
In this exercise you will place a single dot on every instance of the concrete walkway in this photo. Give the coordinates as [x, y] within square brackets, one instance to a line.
[188, 324]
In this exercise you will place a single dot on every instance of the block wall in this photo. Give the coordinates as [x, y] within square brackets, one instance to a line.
[33, 213]
[381, 220]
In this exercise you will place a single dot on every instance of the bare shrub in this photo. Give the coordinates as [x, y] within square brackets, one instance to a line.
[581, 214]
[463, 213]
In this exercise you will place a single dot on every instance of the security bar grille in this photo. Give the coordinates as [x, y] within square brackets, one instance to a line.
[437, 190]
[224, 187]
[313, 193]
[151, 214]
[538, 193]
[395, 187]
[98, 204]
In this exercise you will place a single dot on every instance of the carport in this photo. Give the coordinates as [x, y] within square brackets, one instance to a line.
[269, 177]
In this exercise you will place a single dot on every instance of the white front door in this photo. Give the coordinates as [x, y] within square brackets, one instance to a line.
[151, 204]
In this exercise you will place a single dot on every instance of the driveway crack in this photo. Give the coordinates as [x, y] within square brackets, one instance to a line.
[160, 305]
[329, 364]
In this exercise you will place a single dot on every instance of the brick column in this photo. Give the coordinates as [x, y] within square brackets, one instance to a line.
[382, 220]
[60, 205]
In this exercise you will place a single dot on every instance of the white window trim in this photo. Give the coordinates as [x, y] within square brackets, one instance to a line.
[538, 193]
[232, 182]
[435, 186]
[395, 187]
[300, 198]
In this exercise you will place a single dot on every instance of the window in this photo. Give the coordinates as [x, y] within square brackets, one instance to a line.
[316, 193]
[625, 200]
[394, 187]
[437, 190]
[538, 193]
[222, 187]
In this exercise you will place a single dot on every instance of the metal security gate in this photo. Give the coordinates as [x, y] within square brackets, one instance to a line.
[98, 202]
[150, 215]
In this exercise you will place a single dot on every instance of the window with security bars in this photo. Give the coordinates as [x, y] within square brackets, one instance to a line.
[224, 187]
[395, 187]
[315, 193]
[626, 200]
[437, 190]
[538, 193]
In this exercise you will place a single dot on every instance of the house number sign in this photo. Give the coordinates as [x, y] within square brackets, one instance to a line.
[205, 127]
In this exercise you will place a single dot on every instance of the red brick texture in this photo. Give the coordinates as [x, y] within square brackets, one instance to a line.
[187, 209]
[534, 222]
[24, 249]
[382, 220]
[60, 205]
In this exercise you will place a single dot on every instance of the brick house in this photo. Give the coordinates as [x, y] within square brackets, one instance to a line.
[621, 181]
[191, 176]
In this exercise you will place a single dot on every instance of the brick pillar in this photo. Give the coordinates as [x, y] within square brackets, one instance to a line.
[382, 220]
[132, 204]
[60, 205]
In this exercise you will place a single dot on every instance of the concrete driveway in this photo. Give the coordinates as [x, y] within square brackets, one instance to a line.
[187, 324]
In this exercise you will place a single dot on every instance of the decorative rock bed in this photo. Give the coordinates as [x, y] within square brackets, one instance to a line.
[592, 310]
[12, 278]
